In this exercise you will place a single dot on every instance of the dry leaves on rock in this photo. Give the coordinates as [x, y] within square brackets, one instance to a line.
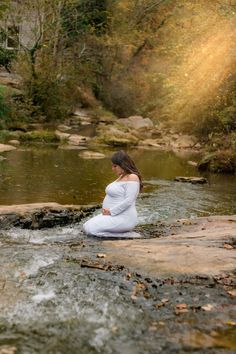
[181, 308]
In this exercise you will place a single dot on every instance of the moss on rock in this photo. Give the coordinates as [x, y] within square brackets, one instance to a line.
[39, 136]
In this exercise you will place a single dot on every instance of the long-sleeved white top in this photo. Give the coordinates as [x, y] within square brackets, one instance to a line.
[120, 196]
[120, 200]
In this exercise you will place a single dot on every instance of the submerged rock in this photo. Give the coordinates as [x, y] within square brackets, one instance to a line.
[193, 180]
[92, 155]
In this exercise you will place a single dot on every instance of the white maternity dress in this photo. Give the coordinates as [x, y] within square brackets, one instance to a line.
[120, 200]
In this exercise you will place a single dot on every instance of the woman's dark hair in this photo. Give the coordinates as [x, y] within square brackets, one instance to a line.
[122, 159]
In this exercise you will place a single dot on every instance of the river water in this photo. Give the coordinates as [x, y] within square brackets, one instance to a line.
[50, 304]
[46, 174]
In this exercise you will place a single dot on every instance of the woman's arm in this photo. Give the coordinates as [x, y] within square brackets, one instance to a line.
[131, 193]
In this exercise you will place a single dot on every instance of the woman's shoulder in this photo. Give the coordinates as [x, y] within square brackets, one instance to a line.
[132, 177]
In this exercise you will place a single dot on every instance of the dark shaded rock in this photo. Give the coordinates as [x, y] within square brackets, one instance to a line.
[218, 162]
[193, 180]
[44, 217]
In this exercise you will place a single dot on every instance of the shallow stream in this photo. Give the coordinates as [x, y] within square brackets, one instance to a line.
[46, 174]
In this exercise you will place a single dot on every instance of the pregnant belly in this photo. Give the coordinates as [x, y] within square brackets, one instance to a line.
[109, 202]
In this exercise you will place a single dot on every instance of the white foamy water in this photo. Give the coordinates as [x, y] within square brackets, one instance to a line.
[37, 262]
[44, 296]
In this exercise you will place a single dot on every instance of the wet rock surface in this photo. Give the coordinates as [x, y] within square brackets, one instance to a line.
[62, 292]
[42, 215]
[193, 180]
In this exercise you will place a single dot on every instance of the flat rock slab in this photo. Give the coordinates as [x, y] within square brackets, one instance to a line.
[203, 246]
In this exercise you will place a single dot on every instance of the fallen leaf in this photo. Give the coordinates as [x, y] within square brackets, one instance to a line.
[230, 323]
[207, 307]
[133, 297]
[178, 312]
[232, 292]
[160, 304]
[228, 246]
[165, 301]
[181, 306]
[140, 286]
[101, 255]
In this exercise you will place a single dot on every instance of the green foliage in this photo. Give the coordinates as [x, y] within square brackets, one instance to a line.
[4, 5]
[6, 135]
[4, 110]
[6, 58]
[154, 58]
[82, 16]
[40, 137]
[48, 96]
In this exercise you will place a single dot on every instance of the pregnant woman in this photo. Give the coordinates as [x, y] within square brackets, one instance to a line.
[119, 215]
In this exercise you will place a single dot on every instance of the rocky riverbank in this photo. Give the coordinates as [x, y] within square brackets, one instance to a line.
[91, 133]
[120, 296]
[173, 291]
[42, 215]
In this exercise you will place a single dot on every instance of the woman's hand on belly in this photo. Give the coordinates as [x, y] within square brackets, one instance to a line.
[106, 211]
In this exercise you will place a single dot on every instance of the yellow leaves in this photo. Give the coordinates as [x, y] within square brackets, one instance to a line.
[123, 5]
[230, 323]
[140, 289]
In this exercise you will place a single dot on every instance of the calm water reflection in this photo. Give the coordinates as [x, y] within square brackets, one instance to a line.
[43, 174]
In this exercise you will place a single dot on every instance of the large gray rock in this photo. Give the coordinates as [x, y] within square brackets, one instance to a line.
[184, 141]
[136, 122]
